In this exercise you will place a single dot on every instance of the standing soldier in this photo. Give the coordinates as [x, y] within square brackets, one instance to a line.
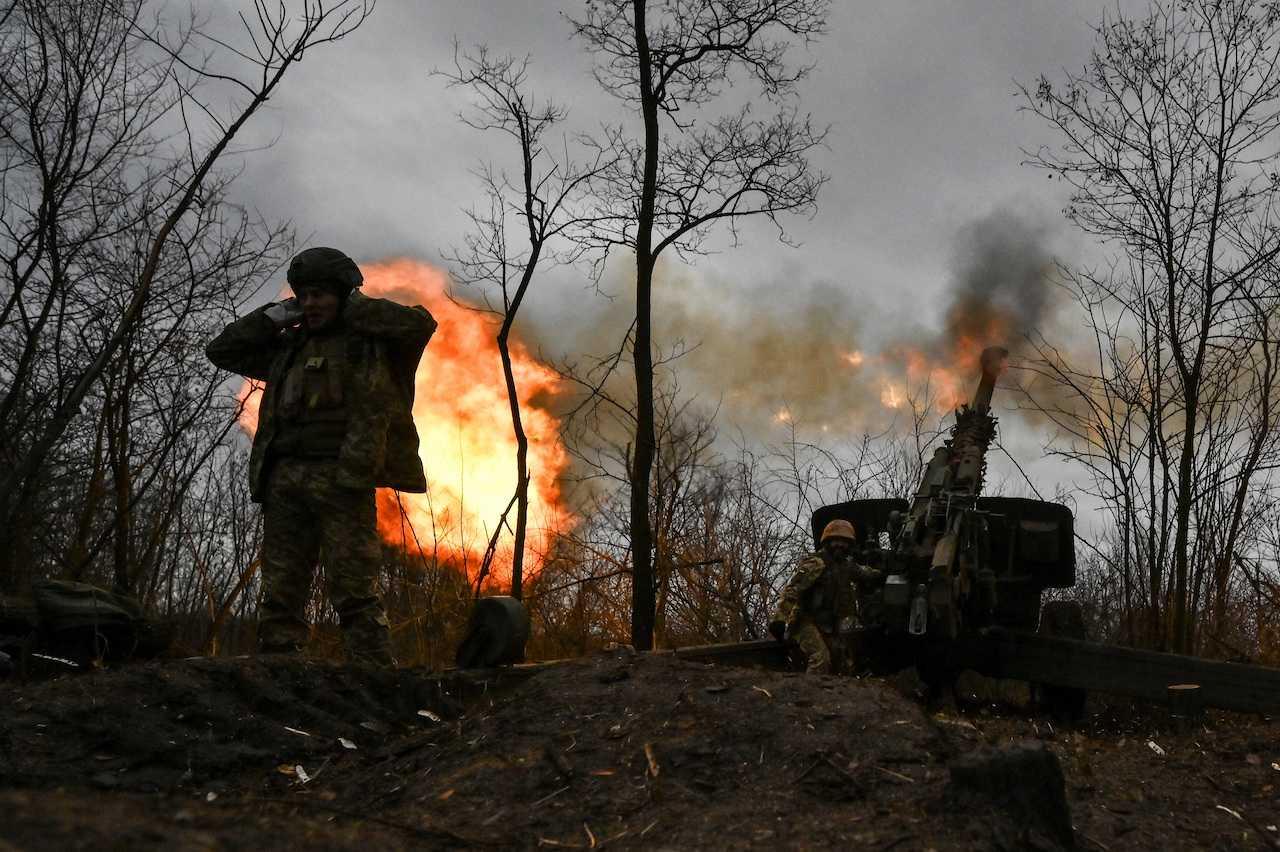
[819, 606]
[335, 422]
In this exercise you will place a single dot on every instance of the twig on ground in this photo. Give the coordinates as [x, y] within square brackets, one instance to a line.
[838, 768]
[893, 774]
[654, 769]
[1266, 836]
[618, 836]
[549, 796]
[1096, 842]
[558, 760]
[811, 767]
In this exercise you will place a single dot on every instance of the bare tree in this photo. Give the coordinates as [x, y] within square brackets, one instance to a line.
[110, 128]
[544, 198]
[1167, 139]
[668, 187]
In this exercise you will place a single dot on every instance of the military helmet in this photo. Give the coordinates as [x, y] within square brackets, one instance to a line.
[324, 267]
[838, 529]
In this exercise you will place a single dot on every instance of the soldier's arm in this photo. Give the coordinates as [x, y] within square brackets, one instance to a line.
[806, 575]
[246, 346]
[865, 573]
[389, 321]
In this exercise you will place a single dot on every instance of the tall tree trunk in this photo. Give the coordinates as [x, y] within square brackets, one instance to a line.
[643, 602]
[79, 554]
[1155, 561]
[122, 480]
[522, 461]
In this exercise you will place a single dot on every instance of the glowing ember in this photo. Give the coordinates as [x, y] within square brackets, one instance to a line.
[854, 358]
[464, 425]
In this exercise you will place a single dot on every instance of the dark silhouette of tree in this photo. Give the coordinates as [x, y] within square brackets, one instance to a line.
[1167, 139]
[544, 198]
[671, 62]
[111, 139]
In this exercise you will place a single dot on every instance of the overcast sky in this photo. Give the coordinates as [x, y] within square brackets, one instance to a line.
[926, 138]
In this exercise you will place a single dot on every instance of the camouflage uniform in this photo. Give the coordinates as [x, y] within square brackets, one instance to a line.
[335, 422]
[820, 609]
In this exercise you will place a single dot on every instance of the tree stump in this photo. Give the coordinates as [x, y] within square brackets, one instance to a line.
[1025, 781]
[1185, 705]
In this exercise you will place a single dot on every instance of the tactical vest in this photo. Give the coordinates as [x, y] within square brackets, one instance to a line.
[833, 597]
[312, 411]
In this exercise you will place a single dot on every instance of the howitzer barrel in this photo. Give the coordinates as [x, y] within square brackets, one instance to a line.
[993, 361]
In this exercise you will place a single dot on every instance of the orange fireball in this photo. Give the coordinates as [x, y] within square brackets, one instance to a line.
[464, 426]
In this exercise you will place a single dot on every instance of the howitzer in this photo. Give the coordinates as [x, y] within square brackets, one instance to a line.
[963, 577]
[939, 576]
[954, 562]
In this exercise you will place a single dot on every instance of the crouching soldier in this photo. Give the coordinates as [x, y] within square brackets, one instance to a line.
[335, 422]
[819, 606]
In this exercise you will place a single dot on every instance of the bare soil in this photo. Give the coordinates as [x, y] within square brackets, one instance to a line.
[615, 750]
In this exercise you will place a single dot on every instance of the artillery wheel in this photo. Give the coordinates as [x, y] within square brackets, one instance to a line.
[1063, 620]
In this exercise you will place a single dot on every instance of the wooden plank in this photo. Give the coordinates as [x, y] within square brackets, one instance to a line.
[1117, 670]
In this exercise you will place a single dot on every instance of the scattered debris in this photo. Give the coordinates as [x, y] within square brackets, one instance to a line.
[346, 743]
[1154, 746]
[72, 664]
[427, 714]
[652, 759]
[296, 731]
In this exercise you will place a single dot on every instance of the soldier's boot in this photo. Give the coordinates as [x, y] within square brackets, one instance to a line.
[280, 633]
[367, 637]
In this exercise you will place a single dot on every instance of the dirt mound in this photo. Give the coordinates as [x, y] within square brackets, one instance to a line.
[198, 723]
[615, 750]
[655, 751]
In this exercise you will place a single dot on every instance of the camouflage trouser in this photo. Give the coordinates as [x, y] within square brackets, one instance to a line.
[825, 653]
[307, 515]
